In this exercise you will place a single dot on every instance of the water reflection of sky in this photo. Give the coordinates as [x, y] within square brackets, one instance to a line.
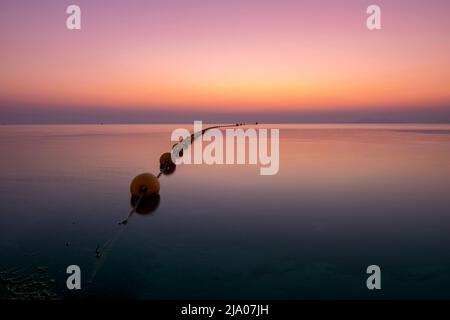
[346, 196]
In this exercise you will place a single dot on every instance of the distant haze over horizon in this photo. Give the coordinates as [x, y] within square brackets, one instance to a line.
[65, 115]
[139, 61]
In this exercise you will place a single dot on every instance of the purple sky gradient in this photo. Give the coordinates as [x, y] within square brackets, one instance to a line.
[272, 61]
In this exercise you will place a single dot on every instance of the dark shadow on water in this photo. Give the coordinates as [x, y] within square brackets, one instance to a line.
[147, 205]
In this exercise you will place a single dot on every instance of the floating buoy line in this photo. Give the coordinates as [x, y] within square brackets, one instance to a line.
[147, 184]
[145, 187]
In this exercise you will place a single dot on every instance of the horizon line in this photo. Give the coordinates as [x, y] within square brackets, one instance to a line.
[244, 123]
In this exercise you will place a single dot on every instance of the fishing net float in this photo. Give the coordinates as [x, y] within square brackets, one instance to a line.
[145, 184]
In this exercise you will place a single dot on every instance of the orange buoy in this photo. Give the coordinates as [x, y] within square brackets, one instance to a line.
[145, 184]
[165, 159]
[166, 165]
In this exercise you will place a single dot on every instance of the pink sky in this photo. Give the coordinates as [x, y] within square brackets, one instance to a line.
[251, 56]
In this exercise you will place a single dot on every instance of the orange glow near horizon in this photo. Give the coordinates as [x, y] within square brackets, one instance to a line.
[268, 63]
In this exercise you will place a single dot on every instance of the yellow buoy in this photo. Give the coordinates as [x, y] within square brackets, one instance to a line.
[145, 184]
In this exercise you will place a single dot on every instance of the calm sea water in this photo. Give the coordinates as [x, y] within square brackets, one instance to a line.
[346, 196]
